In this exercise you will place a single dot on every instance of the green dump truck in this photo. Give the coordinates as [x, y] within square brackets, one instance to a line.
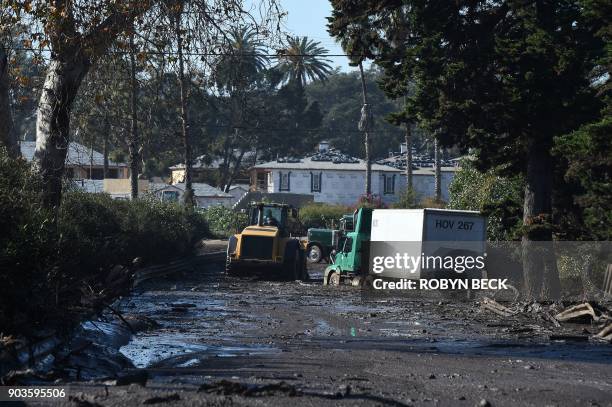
[322, 242]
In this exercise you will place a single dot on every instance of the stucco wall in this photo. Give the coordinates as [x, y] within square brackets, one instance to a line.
[337, 187]
[345, 187]
[424, 184]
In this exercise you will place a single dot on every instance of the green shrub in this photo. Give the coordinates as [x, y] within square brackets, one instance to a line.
[223, 221]
[27, 245]
[407, 200]
[430, 202]
[48, 260]
[321, 215]
[497, 197]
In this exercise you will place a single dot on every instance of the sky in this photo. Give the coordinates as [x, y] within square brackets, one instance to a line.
[308, 17]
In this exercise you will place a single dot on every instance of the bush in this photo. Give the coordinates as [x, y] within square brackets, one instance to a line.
[407, 200]
[430, 202]
[370, 201]
[321, 215]
[497, 197]
[223, 221]
[110, 232]
[47, 260]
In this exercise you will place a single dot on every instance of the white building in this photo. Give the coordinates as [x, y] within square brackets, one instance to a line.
[330, 176]
[335, 178]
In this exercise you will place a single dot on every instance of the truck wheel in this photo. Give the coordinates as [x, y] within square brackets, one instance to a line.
[315, 253]
[333, 278]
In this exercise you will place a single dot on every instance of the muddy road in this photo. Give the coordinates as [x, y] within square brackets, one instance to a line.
[243, 341]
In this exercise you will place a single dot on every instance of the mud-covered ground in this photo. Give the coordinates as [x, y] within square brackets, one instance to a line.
[243, 341]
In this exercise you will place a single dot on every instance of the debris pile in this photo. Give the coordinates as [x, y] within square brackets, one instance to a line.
[226, 388]
[568, 323]
[335, 157]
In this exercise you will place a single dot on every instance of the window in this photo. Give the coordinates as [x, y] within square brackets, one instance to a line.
[170, 196]
[315, 181]
[285, 181]
[389, 186]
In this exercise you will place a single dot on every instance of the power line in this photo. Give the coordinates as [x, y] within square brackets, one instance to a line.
[211, 54]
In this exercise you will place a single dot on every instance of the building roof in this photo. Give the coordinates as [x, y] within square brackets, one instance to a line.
[204, 162]
[243, 186]
[328, 160]
[89, 185]
[78, 155]
[418, 161]
[200, 190]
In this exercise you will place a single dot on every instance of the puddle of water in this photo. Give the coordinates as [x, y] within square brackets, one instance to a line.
[582, 352]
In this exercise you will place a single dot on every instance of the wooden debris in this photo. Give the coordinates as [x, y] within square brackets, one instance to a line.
[496, 307]
[578, 313]
[607, 286]
[606, 333]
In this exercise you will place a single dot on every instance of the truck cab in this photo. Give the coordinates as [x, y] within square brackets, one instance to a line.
[353, 249]
[324, 242]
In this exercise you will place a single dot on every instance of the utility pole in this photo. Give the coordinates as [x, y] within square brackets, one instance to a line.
[134, 139]
[188, 196]
[364, 125]
[438, 172]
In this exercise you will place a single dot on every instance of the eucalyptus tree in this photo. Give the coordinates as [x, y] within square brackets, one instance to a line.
[7, 134]
[77, 33]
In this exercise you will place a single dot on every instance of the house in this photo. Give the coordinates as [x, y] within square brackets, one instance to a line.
[238, 191]
[423, 173]
[329, 176]
[82, 162]
[207, 170]
[336, 178]
[205, 195]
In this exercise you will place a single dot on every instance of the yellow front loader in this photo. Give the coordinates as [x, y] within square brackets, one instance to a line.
[266, 244]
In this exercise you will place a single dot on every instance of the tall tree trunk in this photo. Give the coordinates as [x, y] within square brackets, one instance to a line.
[105, 135]
[7, 133]
[134, 146]
[437, 172]
[228, 154]
[541, 277]
[365, 124]
[62, 80]
[235, 171]
[408, 140]
[188, 196]
[71, 57]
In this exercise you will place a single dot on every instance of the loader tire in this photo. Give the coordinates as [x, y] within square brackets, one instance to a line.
[291, 263]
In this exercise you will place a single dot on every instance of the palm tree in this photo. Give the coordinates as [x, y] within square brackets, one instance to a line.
[301, 61]
[237, 72]
[246, 58]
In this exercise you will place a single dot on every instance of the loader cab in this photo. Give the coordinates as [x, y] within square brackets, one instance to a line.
[271, 215]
